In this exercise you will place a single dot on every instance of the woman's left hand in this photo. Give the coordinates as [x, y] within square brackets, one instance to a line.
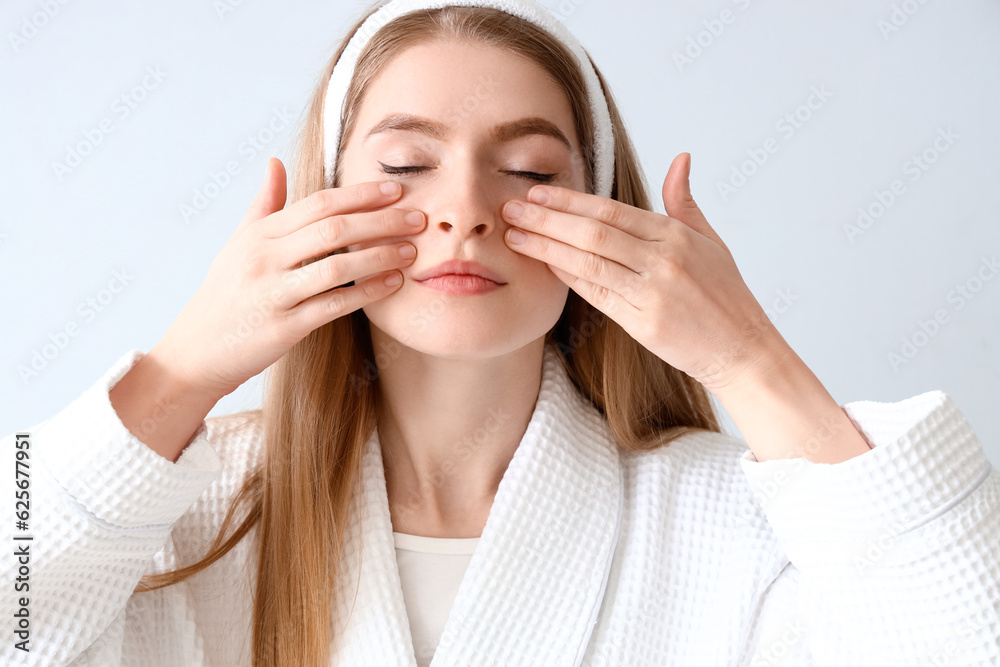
[668, 280]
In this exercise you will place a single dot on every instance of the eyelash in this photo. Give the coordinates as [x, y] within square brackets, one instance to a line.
[529, 175]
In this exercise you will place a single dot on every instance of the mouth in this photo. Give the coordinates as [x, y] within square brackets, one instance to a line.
[455, 269]
[460, 284]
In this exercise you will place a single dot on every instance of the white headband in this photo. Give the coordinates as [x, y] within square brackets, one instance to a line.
[604, 150]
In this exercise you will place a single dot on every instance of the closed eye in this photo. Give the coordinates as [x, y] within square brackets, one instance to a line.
[529, 175]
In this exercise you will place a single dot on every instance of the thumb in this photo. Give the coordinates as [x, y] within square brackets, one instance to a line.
[272, 194]
[679, 203]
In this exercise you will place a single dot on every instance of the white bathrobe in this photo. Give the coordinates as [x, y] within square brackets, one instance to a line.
[693, 554]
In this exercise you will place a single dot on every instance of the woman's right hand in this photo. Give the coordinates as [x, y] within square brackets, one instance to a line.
[258, 300]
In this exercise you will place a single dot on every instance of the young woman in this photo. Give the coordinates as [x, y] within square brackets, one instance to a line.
[506, 453]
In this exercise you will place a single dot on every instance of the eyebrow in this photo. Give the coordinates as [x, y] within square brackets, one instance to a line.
[501, 133]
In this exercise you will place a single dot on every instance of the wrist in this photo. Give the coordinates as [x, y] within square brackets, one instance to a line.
[160, 410]
[178, 381]
[783, 411]
[774, 368]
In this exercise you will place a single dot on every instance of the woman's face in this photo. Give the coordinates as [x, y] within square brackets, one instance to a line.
[474, 97]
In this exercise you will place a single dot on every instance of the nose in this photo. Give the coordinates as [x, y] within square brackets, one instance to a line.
[463, 206]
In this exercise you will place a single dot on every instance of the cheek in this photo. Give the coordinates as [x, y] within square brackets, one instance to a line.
[535, 272]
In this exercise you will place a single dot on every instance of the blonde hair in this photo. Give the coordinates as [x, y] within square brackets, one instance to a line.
[317, 417]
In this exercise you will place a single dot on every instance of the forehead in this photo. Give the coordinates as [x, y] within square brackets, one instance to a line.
[467, 86]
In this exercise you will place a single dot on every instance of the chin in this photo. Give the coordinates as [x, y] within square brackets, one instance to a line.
[458, 328]
[449, 337]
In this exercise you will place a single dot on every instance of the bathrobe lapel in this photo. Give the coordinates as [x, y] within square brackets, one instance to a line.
[534, 585]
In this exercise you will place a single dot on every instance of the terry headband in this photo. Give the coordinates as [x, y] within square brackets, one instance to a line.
[343, 71]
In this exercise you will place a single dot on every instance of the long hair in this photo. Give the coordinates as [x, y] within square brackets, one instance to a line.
[317, 415]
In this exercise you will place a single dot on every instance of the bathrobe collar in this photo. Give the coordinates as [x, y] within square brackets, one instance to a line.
[535, 583]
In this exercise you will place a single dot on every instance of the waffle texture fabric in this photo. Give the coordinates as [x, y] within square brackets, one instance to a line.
[692, 554]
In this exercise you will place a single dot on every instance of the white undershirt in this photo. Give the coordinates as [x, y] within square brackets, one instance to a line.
[430, 571]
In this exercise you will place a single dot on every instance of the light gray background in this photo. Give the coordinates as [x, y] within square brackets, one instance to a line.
[231, 68]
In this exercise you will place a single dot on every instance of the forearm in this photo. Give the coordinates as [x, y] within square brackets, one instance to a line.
[783, 411]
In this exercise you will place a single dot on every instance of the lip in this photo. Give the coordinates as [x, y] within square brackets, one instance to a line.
[457, 267]
[460, 284]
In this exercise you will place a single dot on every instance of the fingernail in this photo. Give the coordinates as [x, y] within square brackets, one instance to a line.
[516, 236]
[389, 188]
[407, 251]
[538, 195]
[513, 210]
[414, 218]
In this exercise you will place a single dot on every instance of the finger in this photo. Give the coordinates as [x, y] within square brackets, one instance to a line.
[388, 225]
[271, 196]
[606, 301]
[322, 308]
[337, 270]
[575, 230]
[600, 271]
[618, 215]
[678, 202]
[329, 202]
